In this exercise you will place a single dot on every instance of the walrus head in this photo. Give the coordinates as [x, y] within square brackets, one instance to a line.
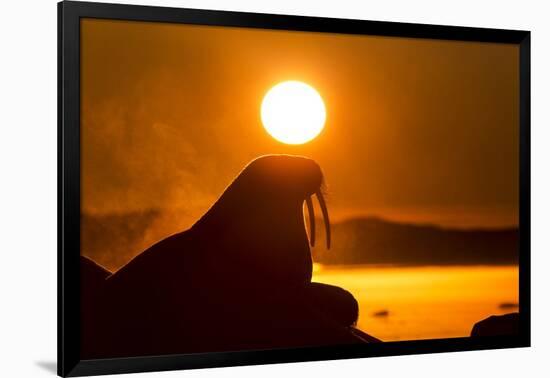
[259, 219]
[289, 178]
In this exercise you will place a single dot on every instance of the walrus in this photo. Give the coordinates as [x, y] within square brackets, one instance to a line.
[239, 278]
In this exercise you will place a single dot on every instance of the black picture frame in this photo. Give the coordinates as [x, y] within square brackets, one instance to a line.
[69, 15]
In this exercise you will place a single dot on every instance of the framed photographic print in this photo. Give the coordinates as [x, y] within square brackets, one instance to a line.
[239, 188]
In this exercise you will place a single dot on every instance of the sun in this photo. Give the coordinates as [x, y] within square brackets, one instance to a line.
[293, 112]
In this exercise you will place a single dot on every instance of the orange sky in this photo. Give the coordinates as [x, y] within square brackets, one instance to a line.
[417, 130]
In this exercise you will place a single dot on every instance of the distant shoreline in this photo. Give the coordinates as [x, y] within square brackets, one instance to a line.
[113, 240]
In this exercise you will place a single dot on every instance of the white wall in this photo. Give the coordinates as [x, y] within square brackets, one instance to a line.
[28, 185]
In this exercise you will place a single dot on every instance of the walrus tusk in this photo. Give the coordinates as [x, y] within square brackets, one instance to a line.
[311, 213]
[326, 219]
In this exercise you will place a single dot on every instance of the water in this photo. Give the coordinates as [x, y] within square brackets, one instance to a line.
[424, 302]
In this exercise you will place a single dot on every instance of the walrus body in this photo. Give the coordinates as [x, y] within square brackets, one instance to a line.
[240, 278]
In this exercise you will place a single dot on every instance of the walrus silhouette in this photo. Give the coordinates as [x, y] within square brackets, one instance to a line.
[240, 277]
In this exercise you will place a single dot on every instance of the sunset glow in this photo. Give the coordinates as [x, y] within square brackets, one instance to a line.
[412, 141]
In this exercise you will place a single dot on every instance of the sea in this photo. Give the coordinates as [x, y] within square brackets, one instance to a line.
[429, 302]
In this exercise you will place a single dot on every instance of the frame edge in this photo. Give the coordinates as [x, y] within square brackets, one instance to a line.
[68, 234]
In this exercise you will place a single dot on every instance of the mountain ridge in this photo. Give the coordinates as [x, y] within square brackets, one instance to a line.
[373, 240]
[113, 239]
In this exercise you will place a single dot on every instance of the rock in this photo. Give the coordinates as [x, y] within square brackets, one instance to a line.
[92, 282]
[381, 314]
[508, 305]
[92, 274]
[497, 325]
[364, 336]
